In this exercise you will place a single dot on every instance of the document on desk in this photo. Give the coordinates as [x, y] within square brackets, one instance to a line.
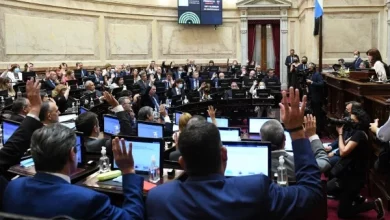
[147, 185]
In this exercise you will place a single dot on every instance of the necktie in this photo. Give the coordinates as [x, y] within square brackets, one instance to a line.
[156, 103]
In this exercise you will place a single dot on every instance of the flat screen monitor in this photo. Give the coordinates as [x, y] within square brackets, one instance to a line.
[9, 127]
[177, 117]
[221, 122]
[248, 158]
[229, 134]
[111, 124]
[197, 12]
[150, 130]
[80, 149]
[83, 110]
[144, 149]
[288, 143]
[255, 124]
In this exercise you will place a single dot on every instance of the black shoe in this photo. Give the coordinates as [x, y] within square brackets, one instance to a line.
[379, 208]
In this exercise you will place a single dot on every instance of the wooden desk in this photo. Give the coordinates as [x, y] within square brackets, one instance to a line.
[93, 183]
[341, 90]
[79, 174]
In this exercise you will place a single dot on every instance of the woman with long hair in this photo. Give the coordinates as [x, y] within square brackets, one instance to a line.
[68, 76]
[6, 84]
[349, 173]
[61, 94]
[375, 60]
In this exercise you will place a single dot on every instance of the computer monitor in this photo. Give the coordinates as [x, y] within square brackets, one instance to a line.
[255, 124]
[230, 134]
[111, 125]
[221, 122]
[83, 110]
[80, 149]
[248, 158]
[9, 127]
[288, 143]
[177, 117]
[144, 149]
[238, 94]
[150, 129]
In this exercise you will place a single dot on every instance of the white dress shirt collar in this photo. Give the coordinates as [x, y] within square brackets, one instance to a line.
[60, 175]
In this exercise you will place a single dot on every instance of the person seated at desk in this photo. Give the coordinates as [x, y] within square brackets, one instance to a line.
[118, 82]
[183, 120]
[135, 75]
[49, 113]
[88, 123]
[246, 79]
[6, 84]
[96, 77]
[364, 65]
[358, 60]
[341, 63]
[80, 68]
[150, 97]
[90, 88]
[20, 108]
[143, 82]
[381, 69]
[158, 76]
[233, 86]
[55, 158]
[179, 74]
[259, 73]
[44, 96]
[195, 81]
[146, 114]
[60, 95]
[126, 103]
[216, 79]
[69, 75]
[205, 90]
[13, 73]
[273, 132]
[51, 82]
[177, 89]
[170, 82]
[271, 77]
[204, 159]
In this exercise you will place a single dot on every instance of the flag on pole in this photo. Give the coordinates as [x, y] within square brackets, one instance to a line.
[318, 8]
[318, 12]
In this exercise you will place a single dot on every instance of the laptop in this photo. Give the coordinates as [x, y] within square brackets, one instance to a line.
[150, 129]
[248, 158]
[111, 125]
[254, 126]
[221, 122]
[229, 134]
[144, 149]
[9, 127]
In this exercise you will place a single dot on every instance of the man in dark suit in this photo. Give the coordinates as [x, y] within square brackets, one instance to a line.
[50, 83]
[20, 108]
[271, 77]
[316, 95]
[288, 62]
[19, 142]
[55, 159]
[234, 197]
[357, 61]
[79, 67]
[126, 103]
[88, 123]
[195, 81]
[303, 66]
[150, 98]
[143, 82]
[90, 88]
[252, 75]
[229, 93]
[177, 89]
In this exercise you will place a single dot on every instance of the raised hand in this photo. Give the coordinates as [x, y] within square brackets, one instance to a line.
[310, 125]
[123, 157]
[374, 126]
[211, 111]
[34, 96]
[110, 99]
[292, 115]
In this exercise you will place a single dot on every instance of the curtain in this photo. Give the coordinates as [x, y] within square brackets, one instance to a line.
[270, 48]
[257, 51]
[276, 46]
[251, 41]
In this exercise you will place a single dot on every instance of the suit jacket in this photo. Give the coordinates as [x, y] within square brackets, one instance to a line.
[51, 196]
[98, 93]
[289, 60]
[316, 88]
[142, 86]
[357, 62]
[16, 117]
[50, 85]
[248, 197]
[18, 143]
[273, 78]
[146, 100]
[192, 80]
[319, 153]
[303, 67]
[172, 92]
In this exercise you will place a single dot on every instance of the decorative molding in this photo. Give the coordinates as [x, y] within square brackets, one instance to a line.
[260, 12]
[264, 3]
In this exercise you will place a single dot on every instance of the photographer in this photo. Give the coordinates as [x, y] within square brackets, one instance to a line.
[315, 85]
[349, 174]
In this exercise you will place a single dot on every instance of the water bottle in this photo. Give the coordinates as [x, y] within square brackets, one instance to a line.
[117, 130]
[104, 162]
[282, 173]
[91, 104]
[156, 114]
[86, 102]
[124, 87]
[19, 94]
[154, 171]
[2, 103]
[74, 108]
[167, 104]
[185, 100]
[1, 136]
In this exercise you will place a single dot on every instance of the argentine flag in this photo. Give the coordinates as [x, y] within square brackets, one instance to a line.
[318, 8]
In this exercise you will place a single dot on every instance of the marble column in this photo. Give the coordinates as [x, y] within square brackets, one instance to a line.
[388, 32]
[244, 37]
[283, 45]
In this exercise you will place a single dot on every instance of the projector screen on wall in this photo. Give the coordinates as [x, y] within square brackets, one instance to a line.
[207, 12]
